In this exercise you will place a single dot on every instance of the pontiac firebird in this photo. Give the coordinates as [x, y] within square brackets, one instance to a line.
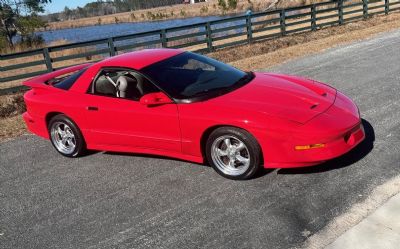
[183, 105]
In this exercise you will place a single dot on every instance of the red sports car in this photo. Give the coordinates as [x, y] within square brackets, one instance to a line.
[184, 105]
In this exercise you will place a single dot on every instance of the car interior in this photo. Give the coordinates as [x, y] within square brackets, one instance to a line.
[189, 72]
[122, 84]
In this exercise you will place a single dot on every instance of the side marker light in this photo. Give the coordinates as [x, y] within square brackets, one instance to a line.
[308, 147]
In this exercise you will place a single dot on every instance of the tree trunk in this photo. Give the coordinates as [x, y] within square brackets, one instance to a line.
[8, 33]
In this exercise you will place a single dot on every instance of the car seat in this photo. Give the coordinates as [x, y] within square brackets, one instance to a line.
[127, 87]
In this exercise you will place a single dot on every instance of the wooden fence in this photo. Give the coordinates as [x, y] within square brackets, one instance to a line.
[201, 37]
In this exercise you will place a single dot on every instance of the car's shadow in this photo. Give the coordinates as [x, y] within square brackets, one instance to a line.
[347, 159]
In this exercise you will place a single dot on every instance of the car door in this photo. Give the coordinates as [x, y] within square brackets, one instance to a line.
[118, 121]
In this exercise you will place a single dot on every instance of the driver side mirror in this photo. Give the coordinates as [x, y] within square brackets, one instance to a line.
[154, 99]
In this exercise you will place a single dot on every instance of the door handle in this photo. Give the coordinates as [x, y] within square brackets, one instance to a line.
[92, 108]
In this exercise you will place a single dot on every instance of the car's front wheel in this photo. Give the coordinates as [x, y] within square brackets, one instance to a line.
[233, 153]
[65, 136]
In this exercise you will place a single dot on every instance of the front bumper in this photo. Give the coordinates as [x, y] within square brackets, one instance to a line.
[339, 128]
[332, 149]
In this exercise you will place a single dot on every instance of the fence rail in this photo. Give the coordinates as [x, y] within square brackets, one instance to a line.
[201, 37]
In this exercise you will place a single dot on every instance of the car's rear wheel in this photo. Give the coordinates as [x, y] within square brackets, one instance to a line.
[233, 153]
[65, 136]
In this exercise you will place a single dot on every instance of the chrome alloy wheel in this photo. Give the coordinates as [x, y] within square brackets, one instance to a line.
[63, 137]
[230, 155]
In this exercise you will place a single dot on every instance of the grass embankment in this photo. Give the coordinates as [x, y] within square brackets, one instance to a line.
[259, 55]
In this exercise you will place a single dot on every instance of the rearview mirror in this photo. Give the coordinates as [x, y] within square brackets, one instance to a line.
[153, 99]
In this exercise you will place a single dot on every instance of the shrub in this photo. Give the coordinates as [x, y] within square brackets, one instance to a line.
[232, 4]
[204, 9]
[3, 43]
[31, 41]
[222, 4]
[150, 15]
[183, 13]
[11, 105]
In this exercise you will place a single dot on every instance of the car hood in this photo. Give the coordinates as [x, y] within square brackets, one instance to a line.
[288, 97]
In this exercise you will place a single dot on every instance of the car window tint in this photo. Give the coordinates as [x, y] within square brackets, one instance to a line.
[67, 82]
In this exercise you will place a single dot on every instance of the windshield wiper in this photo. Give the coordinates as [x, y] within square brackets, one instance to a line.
[245, 79]
[209, 90]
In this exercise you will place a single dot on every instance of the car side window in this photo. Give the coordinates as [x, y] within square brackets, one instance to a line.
[122, 84]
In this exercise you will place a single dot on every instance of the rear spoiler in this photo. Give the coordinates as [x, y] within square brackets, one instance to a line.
[39, 82]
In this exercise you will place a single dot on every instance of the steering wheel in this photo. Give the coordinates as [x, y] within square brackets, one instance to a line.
[200, 84]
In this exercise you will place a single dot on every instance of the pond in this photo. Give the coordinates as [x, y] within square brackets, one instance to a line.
[89, 33]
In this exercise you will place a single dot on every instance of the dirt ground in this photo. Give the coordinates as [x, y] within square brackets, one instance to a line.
[255, 56]
[11, 127]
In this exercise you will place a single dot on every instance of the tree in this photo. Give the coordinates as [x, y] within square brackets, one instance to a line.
[232, 4]
[222, 4]
[67, 13]
[20, 16]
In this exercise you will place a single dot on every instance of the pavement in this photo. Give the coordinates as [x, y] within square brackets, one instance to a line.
[114, 200]
[381, 229]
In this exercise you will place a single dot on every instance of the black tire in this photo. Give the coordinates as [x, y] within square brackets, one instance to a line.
[252, 151]
[80, 147]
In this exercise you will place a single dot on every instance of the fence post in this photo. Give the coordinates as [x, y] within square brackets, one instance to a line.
[47, 59]
[111, 46]
[313, 18]
[249, 29]
[1, 68]
[365, 9]
[163, 37]
[209, 37]
[1, 78]
[283, 22]
[340, 11]
[386, 7]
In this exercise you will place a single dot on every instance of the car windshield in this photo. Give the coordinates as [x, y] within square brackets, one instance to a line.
[189, 75]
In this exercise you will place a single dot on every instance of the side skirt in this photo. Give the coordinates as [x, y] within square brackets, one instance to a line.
[146, 151]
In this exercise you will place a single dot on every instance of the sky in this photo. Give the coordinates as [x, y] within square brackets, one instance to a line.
[58, 5]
